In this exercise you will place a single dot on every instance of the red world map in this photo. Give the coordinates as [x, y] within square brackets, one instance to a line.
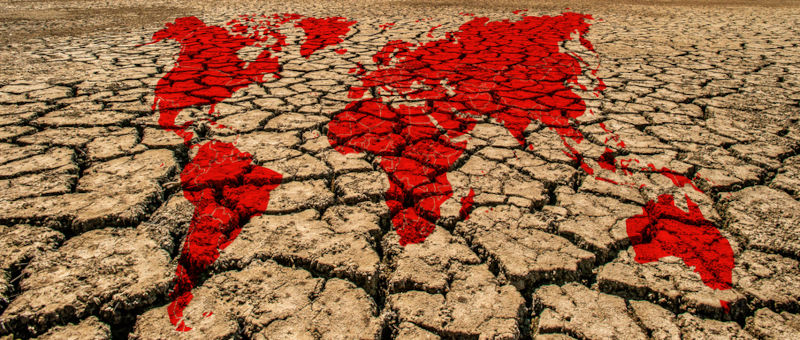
[512, 71]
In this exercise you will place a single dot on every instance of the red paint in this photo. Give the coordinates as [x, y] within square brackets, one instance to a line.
[322, 32]
[509, 70]
[607, 161]
[467, 205]
[430, 31]
[576, 156]
[485, 65]
[341, 51]
[624, 165]
[665, 230]
[676, 178]
[208, 69]
[226, 189]
[612, 136]
[359, 70]
[606, 180]
[386, 26]
[726, 307]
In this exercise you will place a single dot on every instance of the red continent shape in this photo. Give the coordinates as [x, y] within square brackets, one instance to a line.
[665, 230]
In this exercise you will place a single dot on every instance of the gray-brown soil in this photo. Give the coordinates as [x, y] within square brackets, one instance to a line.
[92, 216]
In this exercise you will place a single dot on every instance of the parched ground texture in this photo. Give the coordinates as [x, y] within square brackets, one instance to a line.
[92, 217]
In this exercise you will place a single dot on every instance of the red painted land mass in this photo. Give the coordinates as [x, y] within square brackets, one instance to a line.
[191, 83]
[665, 230]
[322, 32]
[226, 190]
[509, 70]
[225, 187]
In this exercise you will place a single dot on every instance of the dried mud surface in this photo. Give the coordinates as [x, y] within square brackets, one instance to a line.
[92, 216]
